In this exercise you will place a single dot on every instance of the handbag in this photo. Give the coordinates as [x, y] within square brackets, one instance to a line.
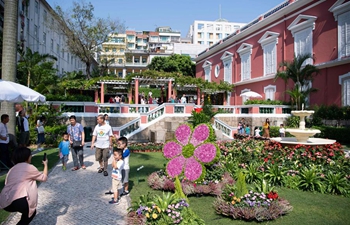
[41, 129]
[76, 144]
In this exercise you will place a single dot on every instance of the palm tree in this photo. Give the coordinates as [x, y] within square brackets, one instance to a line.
[30, 59]
[9, 55]
[302, 75]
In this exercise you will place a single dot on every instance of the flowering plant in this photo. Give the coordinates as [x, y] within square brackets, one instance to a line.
[190, 152]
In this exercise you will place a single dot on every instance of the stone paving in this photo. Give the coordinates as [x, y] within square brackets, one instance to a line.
[77, 197]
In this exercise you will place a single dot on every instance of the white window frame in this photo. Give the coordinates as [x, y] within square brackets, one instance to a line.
[207, 66]
[341, 13]
[245, 52]
[303, 26]
[269, 43]
[227, 59]
[266, 91]
[344, 81]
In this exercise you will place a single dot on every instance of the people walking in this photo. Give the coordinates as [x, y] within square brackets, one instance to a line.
[123, 144]
[76, 138]
[266, 128]
[64, 147]
[102, 140]
[117, 165]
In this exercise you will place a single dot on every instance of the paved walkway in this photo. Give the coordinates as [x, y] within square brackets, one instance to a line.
[77, 197]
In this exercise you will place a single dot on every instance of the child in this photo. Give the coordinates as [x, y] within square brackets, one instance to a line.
[123, 144]
[257, 132]
[117, 166]
[64, 150]
[282, 131]
[247, 130]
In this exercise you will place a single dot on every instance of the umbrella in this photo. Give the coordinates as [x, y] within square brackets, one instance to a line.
[13, 92]
[250, 94]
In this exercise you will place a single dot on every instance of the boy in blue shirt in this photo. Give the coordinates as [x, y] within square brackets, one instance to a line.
[64, 150]
[123, 144]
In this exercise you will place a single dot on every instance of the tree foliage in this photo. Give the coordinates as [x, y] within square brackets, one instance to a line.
[31, 64]
[174, 63]
[302, 75]
[85, 33]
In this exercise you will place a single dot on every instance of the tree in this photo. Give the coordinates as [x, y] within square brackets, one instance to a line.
[174, 63]
[84, 32]
[30, 60]
[302, 75]
[9, 55]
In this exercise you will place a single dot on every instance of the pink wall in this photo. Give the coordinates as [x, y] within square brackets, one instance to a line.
[325, 49]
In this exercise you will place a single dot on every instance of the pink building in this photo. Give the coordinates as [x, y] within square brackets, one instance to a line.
[250, 57]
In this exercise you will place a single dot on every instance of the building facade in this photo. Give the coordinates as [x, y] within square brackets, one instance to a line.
[35, 22]
[250, 57]
[133, 51]
[210, 32]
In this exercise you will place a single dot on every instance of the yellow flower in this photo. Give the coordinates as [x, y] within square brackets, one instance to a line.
[233, 202]
[154, 215]
[238, 200]
[147, 215]
[158, 209]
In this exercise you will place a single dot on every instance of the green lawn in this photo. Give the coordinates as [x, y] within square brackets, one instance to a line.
[308, 208]
[36, 161]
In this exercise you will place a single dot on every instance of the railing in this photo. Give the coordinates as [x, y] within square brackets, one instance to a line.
[110, 108]
[136, 64]
[179, 109]
[155, 113]
[73, 108]
[128, 128]
[225, 109]
[138, 108]
[266, 110]
[224, 128]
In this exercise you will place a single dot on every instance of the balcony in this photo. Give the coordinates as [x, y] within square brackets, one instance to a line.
[136, 64]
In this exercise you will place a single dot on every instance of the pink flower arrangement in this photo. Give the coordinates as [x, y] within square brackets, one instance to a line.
[189, 152]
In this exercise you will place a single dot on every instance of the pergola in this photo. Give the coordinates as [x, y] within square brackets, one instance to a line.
[137, 81]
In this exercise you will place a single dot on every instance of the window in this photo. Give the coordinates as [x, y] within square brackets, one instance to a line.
[120, 61]
[62, 53]
[341, 12]
[121, 50]
[217, 71]
[28, 27]
[45, 15]
[114, 50]
[301, 29]
[269, 44]
[36, 7]
[120, 74]
[245, 51]
[344, 81]
[36, 34]
[58, 49]
[200, 26]
[227, 58]
[218, 36]
[106, 49]
[131, 45]
[200, 34]
[51, 44]
[207, 70]
[71, 60]
[144, 60]
[44, 39]
[270, 91]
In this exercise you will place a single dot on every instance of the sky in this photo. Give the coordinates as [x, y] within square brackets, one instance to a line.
[143, 15]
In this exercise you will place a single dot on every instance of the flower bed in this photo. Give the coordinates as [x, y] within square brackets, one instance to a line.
[146, 147]
[159, 181]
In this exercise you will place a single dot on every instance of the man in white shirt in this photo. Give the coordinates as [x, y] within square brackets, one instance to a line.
[183, 99]
[102, 139]
[4, 141]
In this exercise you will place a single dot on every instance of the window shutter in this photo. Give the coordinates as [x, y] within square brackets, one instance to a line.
[346, 92]
[344, 34]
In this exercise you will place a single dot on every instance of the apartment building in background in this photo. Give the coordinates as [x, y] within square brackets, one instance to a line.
[133, 51]
[35, 19]
[250, 57]
[209, 32]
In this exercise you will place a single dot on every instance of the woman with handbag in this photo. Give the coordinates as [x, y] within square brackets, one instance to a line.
[76, 139]
[41, 132]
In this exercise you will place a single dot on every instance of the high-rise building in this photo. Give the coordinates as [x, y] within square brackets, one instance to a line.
[209, 32]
